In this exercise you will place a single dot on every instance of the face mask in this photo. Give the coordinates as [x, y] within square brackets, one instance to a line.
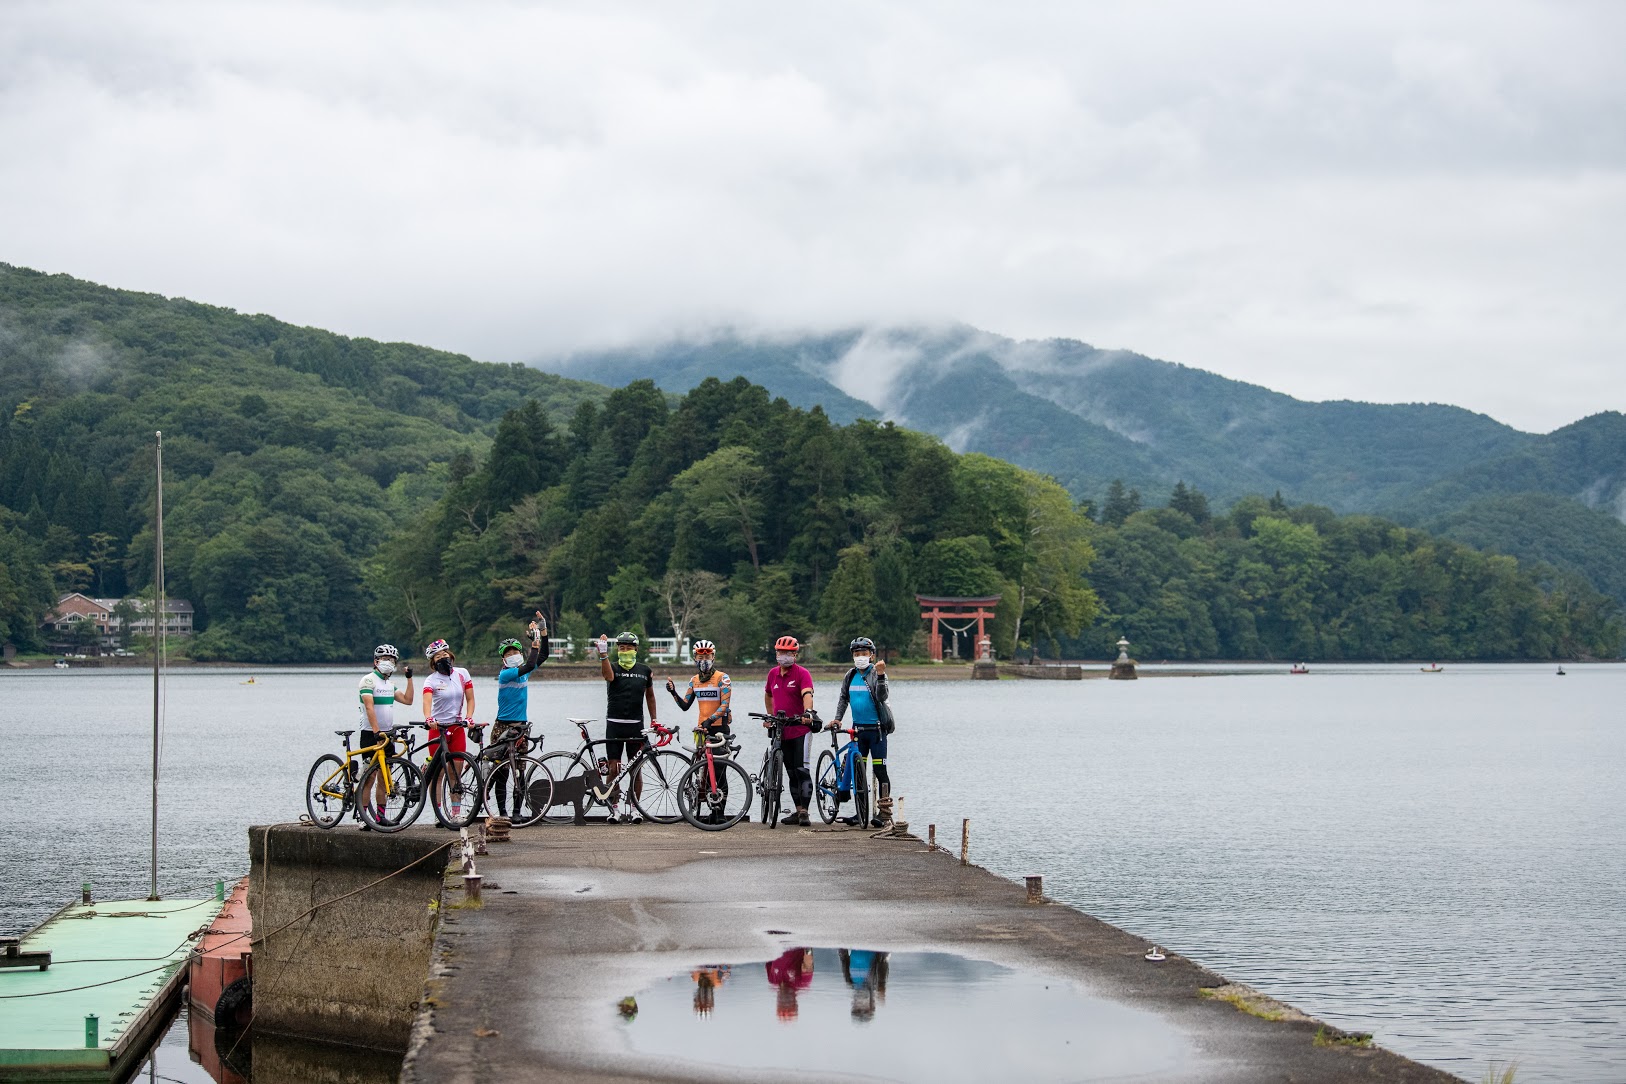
[861, 661]
[444, 666]
[512, 661]
[385, 667]
[704, 665]
[626, 658]
[786, 658]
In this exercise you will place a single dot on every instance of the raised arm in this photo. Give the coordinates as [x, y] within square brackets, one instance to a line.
[539, 645]
[404, 696]
[686, 700]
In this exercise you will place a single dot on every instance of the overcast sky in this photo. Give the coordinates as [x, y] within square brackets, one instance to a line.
[1393, 201]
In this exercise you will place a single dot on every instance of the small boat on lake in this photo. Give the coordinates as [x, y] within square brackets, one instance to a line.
[60, 664]
[1433, 668]
[1299, 668]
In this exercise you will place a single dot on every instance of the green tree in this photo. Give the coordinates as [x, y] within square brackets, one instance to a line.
[1052, 599]
[625, 604]
[847, 609]
[1120, 504]
[724, 487]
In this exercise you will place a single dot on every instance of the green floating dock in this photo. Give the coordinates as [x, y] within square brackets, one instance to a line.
[121, 962]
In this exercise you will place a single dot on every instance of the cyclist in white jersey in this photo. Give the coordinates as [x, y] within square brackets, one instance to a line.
[377, 697]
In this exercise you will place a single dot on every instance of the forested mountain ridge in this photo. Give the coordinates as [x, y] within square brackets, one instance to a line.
[1088, 416]
[325, 493]
[290, 454]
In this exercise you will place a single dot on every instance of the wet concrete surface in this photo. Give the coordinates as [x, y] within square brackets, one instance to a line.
[575, 919]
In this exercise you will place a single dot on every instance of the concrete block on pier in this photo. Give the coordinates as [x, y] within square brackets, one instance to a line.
[335, 966]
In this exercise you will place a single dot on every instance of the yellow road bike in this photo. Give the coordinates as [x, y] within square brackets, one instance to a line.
[382, 790]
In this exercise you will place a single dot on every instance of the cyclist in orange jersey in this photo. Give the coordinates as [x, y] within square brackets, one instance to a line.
[711, 688]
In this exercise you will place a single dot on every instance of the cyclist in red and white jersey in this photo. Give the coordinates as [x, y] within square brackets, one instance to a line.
[448, 697]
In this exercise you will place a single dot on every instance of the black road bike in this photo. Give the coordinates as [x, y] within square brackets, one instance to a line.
[652, 776]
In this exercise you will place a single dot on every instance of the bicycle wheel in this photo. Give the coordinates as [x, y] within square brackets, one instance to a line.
[530, 790]
[825, 789]
[773, 771]
[327, 791]
[654, 779]
[861, 790]
[568, 771]
[402, 796]
[454, 793]
[715, 809]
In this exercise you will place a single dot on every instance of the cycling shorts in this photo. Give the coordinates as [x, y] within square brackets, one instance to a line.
[368, 739]
[457, 738]
[871, 743]
[614, 747]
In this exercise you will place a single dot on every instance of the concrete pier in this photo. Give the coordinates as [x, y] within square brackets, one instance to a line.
[526, 986]
[343, 922]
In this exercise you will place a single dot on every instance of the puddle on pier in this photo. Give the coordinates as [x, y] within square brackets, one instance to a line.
[902, 1016]
[192, 1051]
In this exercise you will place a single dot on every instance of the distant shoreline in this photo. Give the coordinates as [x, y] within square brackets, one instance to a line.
[1091, 669]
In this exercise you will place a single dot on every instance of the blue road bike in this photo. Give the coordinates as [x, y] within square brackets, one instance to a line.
[842, 776]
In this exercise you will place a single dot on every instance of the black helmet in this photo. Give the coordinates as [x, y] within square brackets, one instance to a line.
[627, 638]
[862, 642]
[386, 651]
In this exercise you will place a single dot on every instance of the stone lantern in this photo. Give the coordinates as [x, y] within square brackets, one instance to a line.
[1123, 669]
[984, 668]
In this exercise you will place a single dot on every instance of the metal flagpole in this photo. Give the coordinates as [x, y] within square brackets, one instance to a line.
[157, 649]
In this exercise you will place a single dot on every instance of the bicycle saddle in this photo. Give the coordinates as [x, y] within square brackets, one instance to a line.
[344, 733]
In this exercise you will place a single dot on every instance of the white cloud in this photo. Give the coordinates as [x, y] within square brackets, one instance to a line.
[1387, 201]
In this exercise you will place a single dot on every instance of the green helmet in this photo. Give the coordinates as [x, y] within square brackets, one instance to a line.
[503, 648]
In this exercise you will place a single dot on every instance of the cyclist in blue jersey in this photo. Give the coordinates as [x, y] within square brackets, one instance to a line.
[865, 691]
[513, 701]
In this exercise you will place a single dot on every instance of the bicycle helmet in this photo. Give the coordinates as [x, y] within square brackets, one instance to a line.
[786, 643]
[705, 655]
[627, 638]
[862, 642]
[436, 648]
[386, 651]
[510, 643]
[704, 647]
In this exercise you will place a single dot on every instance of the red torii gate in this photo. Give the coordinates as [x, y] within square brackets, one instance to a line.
[935, 610]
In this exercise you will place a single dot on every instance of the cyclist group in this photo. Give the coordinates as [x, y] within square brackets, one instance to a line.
[448, 705]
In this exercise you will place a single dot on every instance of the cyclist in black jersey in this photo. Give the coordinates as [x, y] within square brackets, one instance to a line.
[630, 687]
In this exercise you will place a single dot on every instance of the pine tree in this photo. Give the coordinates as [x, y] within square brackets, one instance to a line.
[848, 607]
[1120, 505]
[1191, 501]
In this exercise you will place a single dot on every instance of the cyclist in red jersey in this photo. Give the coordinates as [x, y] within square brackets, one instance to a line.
[790, 690]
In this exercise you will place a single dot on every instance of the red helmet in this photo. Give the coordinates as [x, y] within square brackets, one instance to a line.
[786, 643]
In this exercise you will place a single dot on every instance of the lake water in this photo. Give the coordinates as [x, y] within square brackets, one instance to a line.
[1439, 859]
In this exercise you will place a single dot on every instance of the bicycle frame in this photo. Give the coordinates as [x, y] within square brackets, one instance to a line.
[352, 772]
[589, 757]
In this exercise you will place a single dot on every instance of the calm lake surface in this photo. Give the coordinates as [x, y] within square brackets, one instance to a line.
[1439, 859]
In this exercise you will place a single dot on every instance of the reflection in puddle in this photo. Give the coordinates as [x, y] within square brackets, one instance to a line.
[899, 1016]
